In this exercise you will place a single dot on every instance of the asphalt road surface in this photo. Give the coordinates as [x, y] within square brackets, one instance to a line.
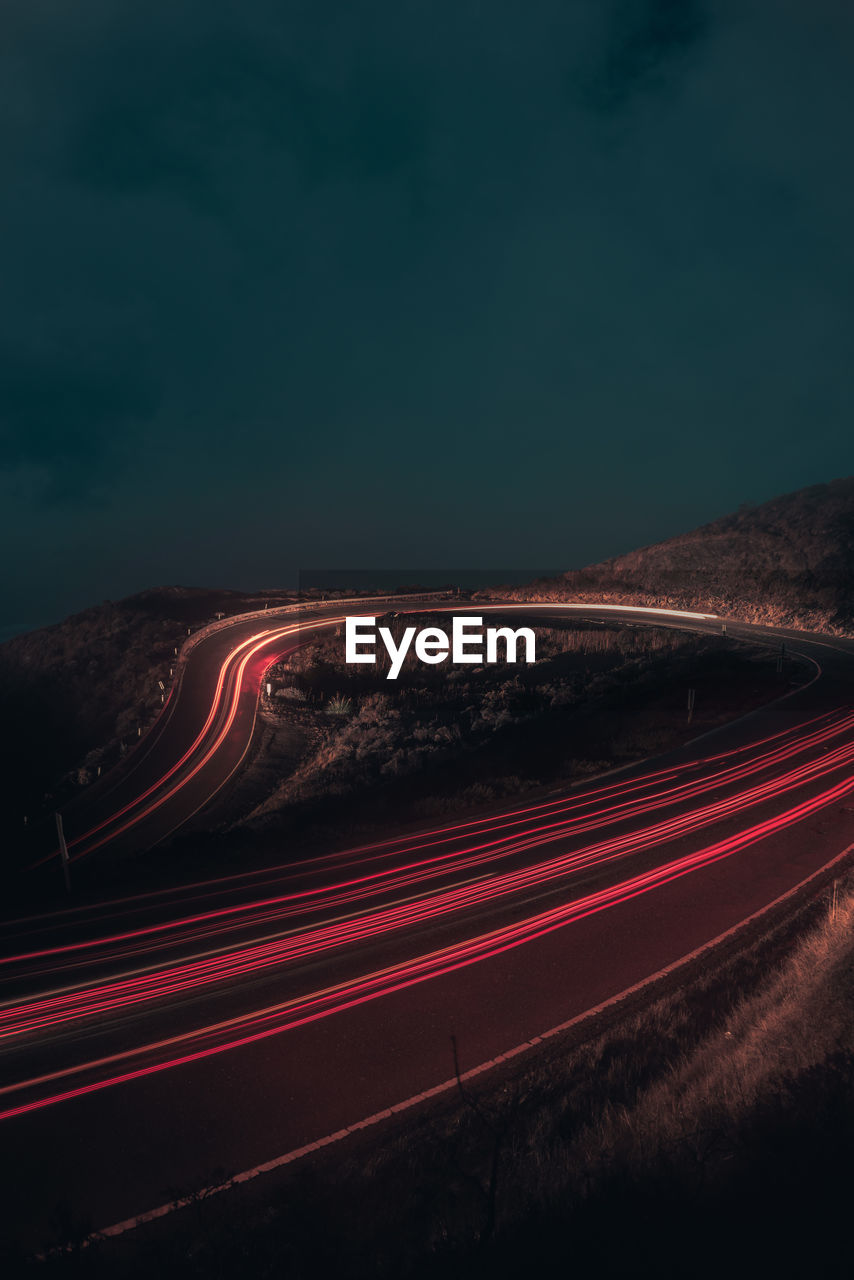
[147, 1042]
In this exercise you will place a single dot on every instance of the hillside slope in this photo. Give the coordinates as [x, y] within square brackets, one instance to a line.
[70, 694]
[790, 560]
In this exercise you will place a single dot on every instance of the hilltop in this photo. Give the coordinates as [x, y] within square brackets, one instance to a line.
[788, 561]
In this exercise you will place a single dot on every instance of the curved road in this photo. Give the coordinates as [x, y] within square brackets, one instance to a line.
[148, 1041]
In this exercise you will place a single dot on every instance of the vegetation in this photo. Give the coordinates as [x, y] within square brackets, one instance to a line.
[70, 694]
[292, 691]
[789, 561]
[445, 738]
[711, 1130]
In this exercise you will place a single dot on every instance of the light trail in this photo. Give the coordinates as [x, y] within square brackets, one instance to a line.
[134, 903]
[121, 993]
[211, 716]
[265, 639]
[299, 1011]
[137, 807]
[406, 875]
[403, 886]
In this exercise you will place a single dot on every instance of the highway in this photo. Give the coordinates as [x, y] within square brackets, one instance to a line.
[147, 1041]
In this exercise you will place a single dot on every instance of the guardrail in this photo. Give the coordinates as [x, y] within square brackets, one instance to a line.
[213, 627]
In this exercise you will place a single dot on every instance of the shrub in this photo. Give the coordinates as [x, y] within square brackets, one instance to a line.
[292, 691]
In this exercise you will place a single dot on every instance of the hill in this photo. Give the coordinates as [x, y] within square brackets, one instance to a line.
[70, 694]
[789, 561]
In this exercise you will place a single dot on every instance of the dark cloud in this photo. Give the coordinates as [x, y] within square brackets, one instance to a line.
[646, 44]
[285, 283]
[61, 427]
[132, 147]
[172, 117]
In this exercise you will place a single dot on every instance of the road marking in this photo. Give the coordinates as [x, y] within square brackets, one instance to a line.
[299, 1153]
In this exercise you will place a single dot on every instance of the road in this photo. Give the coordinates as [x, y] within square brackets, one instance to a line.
[148, 1041]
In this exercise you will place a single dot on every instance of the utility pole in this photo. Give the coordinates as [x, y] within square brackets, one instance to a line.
[63, 852]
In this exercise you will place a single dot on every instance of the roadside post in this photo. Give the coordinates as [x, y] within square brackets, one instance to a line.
[63, 852]
[692, 697]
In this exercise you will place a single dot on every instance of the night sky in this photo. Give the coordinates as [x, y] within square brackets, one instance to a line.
[402, 282]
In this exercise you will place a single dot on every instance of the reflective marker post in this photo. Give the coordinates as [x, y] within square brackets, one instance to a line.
[63, 852]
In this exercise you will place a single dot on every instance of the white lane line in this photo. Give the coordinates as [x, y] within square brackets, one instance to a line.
[298, 1153]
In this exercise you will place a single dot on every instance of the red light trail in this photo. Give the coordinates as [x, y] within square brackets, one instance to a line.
[288, 1015]
[162, 981]
[399, 891]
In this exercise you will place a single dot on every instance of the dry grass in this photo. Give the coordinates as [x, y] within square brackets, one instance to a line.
[786, 562]
[488, 727]
[670, 1144]
[800, 1016]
